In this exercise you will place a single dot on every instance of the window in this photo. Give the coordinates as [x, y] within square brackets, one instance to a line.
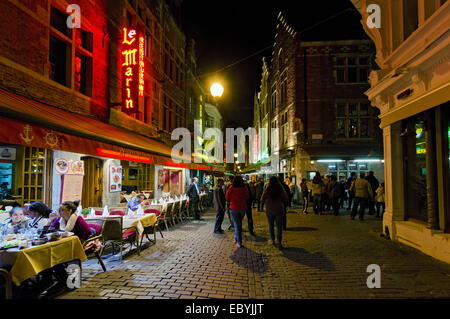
[354, 120]
[410, 17]
[284, 128]
[83, 62]
[58, 20]
[59, 54]
[352, 69]
[283, 96]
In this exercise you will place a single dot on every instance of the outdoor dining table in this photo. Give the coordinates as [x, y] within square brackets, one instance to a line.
[29, 262]
[136, 220]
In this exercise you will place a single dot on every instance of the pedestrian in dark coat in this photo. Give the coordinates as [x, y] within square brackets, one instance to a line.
[305, 195]
[219, 206]
[288, 191]
[373, 181]
[275, 199]
[259, 188]
[248, 211]
[194, 197]
[333, 194]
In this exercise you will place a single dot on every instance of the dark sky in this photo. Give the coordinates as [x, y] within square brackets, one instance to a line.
[227, 31]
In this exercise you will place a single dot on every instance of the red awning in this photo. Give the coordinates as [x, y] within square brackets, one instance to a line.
[27, 122]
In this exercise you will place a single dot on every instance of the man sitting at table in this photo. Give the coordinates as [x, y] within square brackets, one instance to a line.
[134, 202]
[193, 193]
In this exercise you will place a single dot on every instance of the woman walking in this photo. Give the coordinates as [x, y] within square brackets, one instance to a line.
[237, 195]
[275, 198]
[305, 195]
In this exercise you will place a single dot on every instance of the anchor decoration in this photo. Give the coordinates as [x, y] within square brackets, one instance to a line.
[26, 134]
[51, 139]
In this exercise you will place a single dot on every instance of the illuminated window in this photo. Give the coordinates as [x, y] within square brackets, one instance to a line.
[354, 120]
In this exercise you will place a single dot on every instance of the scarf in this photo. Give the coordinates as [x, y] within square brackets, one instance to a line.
[70, 223]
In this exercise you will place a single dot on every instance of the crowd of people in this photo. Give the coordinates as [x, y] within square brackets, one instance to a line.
[237, 197]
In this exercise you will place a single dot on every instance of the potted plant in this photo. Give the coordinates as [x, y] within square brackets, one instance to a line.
[85, 212]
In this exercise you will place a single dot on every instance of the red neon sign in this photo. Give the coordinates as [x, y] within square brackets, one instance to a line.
[180, 165]
[132, 70]
[123, 156]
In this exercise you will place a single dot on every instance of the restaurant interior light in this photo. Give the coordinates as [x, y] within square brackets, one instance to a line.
[367, 160]
[329, 160]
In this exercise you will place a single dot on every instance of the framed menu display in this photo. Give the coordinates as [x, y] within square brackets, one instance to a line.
[115, 178]
[72, 187]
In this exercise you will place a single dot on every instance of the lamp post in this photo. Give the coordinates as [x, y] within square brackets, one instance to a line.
[216, 89]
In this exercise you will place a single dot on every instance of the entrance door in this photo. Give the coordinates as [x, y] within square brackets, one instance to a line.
[92, 182]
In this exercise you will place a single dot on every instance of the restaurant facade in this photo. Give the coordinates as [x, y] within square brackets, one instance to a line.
[87, 112]
[411, 89]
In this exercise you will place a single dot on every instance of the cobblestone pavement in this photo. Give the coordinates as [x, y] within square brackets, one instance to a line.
[325, 256]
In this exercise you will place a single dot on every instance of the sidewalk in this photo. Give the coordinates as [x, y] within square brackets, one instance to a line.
[325, 256]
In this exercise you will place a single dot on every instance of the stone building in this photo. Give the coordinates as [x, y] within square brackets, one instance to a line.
[313, 92]
[411, 89]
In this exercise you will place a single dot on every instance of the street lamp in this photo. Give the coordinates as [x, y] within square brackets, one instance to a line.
[216, 89]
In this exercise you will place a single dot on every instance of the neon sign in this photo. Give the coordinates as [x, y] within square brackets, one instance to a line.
[132, 70]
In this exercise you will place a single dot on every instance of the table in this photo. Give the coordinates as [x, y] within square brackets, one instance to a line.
[138, 221]
[29, 262]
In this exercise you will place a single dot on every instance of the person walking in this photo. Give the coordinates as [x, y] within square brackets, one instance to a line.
[317, 189]
[252, 191]
[237, 195]
[288, 182]
[259, 188]
[373, 181]
[194, 197]
[219, 206]
[275, 198]
[380, 200]
[227, 203]
[333, 194]
[288, 192]
[351, 195]
[363, 192]
[248, 211]
[305, 195]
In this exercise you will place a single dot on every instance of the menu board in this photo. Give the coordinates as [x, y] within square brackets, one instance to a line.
[115, 178]
[72, 188]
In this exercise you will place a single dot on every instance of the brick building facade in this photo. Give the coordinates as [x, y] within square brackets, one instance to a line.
[315, 97]
[62, 96]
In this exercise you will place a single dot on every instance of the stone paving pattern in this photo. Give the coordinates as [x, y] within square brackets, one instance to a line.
[325, 256]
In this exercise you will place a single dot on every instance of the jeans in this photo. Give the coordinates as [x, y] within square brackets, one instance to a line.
[220, 214]
[362, 202]
[380, 205]
[237, 216]
[272, 219]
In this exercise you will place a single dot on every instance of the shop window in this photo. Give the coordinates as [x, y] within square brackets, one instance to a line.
[415, 153]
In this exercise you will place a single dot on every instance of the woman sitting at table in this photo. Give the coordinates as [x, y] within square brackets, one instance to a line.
[16, 222]
[40, 214]
[68, 220]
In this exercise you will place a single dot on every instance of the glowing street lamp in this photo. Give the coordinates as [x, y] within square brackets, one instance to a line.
[216, 90]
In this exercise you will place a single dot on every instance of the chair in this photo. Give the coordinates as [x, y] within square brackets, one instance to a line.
[6, 283]
[175, 211]
[114, 233]
[118, 211]
[98, 210]
[183, 208]
[168, 213]
[158, 214]
[98, 225]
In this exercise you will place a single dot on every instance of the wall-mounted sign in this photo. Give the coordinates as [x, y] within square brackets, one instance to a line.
[132, 69]
[115, 179]
[63, 166]
[8, 153]
[72, 188]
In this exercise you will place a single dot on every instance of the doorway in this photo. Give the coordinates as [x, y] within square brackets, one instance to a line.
[92, 182]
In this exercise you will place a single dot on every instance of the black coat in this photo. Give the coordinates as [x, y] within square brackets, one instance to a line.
[192, 193]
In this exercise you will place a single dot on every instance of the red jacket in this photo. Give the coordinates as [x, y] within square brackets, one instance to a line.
[237, 196]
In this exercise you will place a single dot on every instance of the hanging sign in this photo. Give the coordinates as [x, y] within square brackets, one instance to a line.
[132, 69]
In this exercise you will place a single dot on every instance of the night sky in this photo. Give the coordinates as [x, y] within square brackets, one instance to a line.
[229, 31]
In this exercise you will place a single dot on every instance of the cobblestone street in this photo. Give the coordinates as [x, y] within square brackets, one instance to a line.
[324, 257]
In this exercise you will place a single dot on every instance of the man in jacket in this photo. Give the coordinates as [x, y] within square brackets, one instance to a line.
[363, 192]
[248, 211]
[219, 206]
[194, 197]
[259, 187]
[373, 181]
